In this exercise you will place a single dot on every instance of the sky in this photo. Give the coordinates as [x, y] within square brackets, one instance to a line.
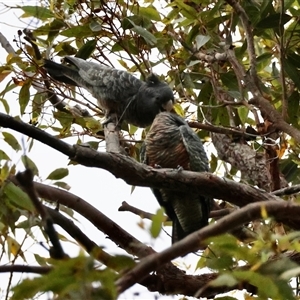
[97, 186]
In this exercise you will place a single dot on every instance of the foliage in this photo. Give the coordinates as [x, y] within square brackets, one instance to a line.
[233, 66]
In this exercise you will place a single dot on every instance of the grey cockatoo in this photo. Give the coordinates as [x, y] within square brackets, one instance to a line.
[170, 143]
[118, 92]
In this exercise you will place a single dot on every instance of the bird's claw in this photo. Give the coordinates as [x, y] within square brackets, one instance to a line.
[157, 166]
[106, 121]
[179, 168]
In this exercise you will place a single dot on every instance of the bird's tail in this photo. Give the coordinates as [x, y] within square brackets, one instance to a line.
[177, 231]
[59, 72]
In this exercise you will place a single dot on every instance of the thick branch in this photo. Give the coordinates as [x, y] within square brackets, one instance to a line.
[252, 164]
[270, 113]
[138, 174]
[251, 212]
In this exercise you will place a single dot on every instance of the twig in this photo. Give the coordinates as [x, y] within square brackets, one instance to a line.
[287, 190]
[222, 130]
[145, 215]
[270, 113]
[250, 39]
[25, 269]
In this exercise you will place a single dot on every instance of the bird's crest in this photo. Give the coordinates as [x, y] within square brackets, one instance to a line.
[153, 79]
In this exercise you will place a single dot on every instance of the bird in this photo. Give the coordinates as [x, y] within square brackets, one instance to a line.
[171, 143]
[117, 91]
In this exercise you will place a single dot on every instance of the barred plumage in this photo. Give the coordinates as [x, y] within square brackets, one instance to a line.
[117, 91]
[171, 143]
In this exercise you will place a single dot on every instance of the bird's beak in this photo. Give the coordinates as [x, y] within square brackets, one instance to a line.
[168, 106]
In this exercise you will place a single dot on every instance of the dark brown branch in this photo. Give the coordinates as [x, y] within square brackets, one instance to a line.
[169, 279]
[25, 269]
[270, 113]
[26, 181]
[71, 229]
[290, 190]
[249, 37]
[279, 210]
[7, 121]
[141, 175]
[223, 130]
[145, 215]
[90, 246]
[242, 233]
[98, 219]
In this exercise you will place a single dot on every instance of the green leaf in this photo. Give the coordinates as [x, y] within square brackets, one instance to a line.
[224, 280]
[62, 185]
[12, 141]
[58, 174]
[293, 108]
[18, 197]
[148, 36]
[78, 31]
[292, 71]
[54, 27]
[24, 96]
[95, 26]
[229, 80]
[243, 113]
[157, 221]
[87, 49]
[260, 281]
[149, 12]
[201, 40]
[28, 163]
[273, 21]
[93, 124]
[38, 12]
[294, 58]
[263, 60]
[3, 155]
[93, 144]
[187, 10]
[5, 104]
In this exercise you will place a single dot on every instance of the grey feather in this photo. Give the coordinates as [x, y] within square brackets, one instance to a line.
[118, 92]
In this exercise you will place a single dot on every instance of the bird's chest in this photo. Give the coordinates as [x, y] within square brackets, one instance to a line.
[110, 105]
[168, 152]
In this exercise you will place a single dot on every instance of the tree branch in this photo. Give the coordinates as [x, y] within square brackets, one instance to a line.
[26, 180]
[250, 212]
[141, 175]
[25, 269]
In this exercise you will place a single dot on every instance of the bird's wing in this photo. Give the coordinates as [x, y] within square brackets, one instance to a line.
[165, 199]
[195, 149]
[118, 82]
[198, 205]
